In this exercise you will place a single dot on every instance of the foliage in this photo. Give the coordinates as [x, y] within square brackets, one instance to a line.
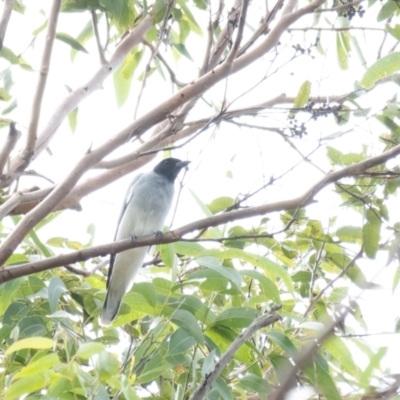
[201, 292]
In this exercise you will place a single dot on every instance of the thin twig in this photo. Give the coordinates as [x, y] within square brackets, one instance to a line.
[41, 84]
[11, 141]
[166, 65]
[259, 323]
[332, 282]
[239, 36]
[225, 37]
[5, 18]
[97, 36]
[161, 38]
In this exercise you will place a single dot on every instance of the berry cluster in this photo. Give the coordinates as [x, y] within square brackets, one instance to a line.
[351, 11]
[300, 49]
[323, 110]
[296, 128]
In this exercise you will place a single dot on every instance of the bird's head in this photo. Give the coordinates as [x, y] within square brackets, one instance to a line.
[170, 168]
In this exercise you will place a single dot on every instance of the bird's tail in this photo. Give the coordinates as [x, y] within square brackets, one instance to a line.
[110, 307]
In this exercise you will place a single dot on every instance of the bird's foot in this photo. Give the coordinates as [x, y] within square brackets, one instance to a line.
[158, 234]
[133, 238]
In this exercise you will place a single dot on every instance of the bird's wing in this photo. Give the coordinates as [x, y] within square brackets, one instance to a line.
[127, 199]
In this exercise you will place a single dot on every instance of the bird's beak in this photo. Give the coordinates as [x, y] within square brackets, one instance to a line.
[183, 164]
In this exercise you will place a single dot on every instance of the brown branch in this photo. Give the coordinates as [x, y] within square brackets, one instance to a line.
[259, 323]
[29, 150]
[212, 25]
[173, 236]
[5, 18]
[239, 36]
[97, 36]
[225, 37]
[11, 141]
[10, 204]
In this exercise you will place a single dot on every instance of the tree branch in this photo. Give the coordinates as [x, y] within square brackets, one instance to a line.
[116, 247]
[11, 141]
[29, 150]
[97, 36]
[5, 18]
[225, 37]
[258, 323]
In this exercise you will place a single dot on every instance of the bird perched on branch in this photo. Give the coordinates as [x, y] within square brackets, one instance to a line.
[147, 203]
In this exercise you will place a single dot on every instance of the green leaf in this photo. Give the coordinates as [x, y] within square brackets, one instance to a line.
[158, 11]
[106, 366]
[9, 55]
[4, 95]
[64, 37]
[123, 75]
[382, 68]
[222, 389]
[283, 342]
[220, 204]
[269, 288]
[350, 234]
[147, 290]
[342, 53]
[182, 49]
[167, 253]
[195, 306]
[73, 119]
[223, 337]
[302, 95]
[32, 326]
[194, 25]
[387, 10]
[179, 342]
[7, 291]
[35, 238]
[41, 365]
[334, 155]
[323, 381]
[86, 34]
[185, 320]
[302, 276]
[374, 363]
[342, 354]
[237, 317]
[214, 264]
[191, 249]
[56, 288]
[87, 350]
[371, 233]
[25, 385]
[254, 384]
[30, 343]
[395, 32]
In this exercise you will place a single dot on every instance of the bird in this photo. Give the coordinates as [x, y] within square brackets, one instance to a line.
[146, 206]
